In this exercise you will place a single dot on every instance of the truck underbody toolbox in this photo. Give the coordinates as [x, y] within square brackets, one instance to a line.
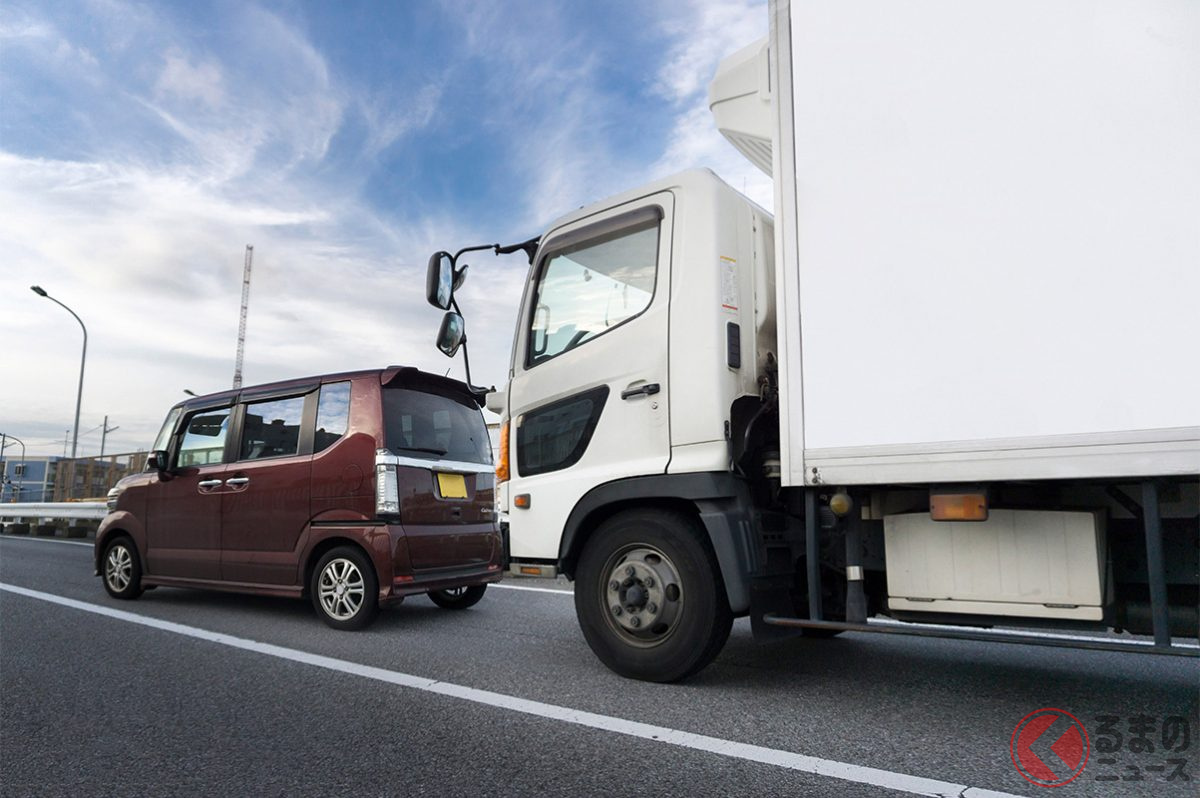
[1163, 619]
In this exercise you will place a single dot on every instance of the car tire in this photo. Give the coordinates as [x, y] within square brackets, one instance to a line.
[121, 569]
[344, 589]
[457, 598]
[649, 596]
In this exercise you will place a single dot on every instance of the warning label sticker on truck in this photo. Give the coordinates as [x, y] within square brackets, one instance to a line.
[729, 283]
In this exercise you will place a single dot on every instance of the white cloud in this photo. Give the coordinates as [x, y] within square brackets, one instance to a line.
[703, 35]
[185, 81]
[708, 33]
[145, 240]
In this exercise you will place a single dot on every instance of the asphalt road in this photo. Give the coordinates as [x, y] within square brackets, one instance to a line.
[191, 693]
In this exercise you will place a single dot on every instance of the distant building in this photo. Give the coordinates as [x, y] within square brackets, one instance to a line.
[89, 478]
[28, 479]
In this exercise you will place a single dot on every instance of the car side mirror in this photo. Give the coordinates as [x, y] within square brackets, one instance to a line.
[451, 334]
[439, 280]
[158, 461]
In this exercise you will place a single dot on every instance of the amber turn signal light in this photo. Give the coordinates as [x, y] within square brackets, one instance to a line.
[502, 462]
[523, 501]
[958, 506]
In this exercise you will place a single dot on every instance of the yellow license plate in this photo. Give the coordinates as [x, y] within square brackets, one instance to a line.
[452, 486]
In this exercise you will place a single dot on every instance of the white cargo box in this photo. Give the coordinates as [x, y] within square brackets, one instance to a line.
[986, 238]
[1023, 563]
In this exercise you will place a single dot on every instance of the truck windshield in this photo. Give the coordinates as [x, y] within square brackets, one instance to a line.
[434, 427]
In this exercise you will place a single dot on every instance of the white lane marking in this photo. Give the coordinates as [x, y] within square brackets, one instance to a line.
[845, 771]
[532, 589]
[49, 540]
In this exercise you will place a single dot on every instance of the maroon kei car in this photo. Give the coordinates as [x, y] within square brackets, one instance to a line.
[352, 489]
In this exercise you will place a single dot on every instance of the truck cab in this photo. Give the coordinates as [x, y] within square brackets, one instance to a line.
[637, 333]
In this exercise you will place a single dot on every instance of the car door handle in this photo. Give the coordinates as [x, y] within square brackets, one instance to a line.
[237, 482]
[649, 389]
[208, 483]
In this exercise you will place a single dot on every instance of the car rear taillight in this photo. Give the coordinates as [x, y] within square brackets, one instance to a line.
[387, 489]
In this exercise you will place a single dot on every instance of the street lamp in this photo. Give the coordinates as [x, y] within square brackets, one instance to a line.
[37, 289]
[4, 444]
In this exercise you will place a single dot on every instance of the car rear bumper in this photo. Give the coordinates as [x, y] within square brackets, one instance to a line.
[442, 579]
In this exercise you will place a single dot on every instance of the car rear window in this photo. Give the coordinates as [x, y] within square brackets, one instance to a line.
[434, 427]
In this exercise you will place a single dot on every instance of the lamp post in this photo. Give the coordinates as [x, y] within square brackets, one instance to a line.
[4, 444]
[37, 289]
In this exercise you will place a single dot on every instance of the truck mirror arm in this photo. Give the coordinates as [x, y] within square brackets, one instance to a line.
[479, 394]
[528, 247]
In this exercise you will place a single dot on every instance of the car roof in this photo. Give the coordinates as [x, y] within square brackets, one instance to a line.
[387, 376]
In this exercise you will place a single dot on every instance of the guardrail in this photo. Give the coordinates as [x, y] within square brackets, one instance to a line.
[92, 510]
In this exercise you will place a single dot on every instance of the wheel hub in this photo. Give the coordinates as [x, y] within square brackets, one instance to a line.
[642, 594]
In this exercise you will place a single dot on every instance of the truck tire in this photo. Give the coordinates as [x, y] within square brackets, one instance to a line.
[649, 596]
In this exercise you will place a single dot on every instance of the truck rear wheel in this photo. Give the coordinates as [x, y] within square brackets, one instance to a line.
[649, 596]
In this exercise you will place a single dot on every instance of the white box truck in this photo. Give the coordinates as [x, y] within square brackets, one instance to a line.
[951, 387]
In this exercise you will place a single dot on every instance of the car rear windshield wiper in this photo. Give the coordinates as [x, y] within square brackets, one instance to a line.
[438, 452]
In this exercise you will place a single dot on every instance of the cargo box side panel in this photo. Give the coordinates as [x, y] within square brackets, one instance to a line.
[995, 235]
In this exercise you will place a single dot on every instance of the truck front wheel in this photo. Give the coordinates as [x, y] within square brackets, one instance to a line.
[649, 596]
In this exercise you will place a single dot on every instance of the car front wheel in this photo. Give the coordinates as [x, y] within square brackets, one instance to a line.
[122, 569]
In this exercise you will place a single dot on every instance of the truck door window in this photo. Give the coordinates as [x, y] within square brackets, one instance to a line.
[204, 438]
[555, 436]
[272, 428]
[587, 288]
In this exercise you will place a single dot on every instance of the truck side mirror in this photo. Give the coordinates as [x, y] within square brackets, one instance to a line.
[439, 280]
[451, 334]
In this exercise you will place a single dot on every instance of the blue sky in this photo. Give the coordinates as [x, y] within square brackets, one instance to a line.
[142, 146]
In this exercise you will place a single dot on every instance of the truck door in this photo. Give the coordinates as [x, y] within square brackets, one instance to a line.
[588, 394]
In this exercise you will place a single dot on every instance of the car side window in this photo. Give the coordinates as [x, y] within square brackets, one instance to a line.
[271, 428]
[333, 415]
[586, 289]
[203, 441]
[163, 440]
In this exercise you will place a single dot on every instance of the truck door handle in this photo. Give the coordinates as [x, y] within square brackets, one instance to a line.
[649, 389]
[237, 482]
[208, 483]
